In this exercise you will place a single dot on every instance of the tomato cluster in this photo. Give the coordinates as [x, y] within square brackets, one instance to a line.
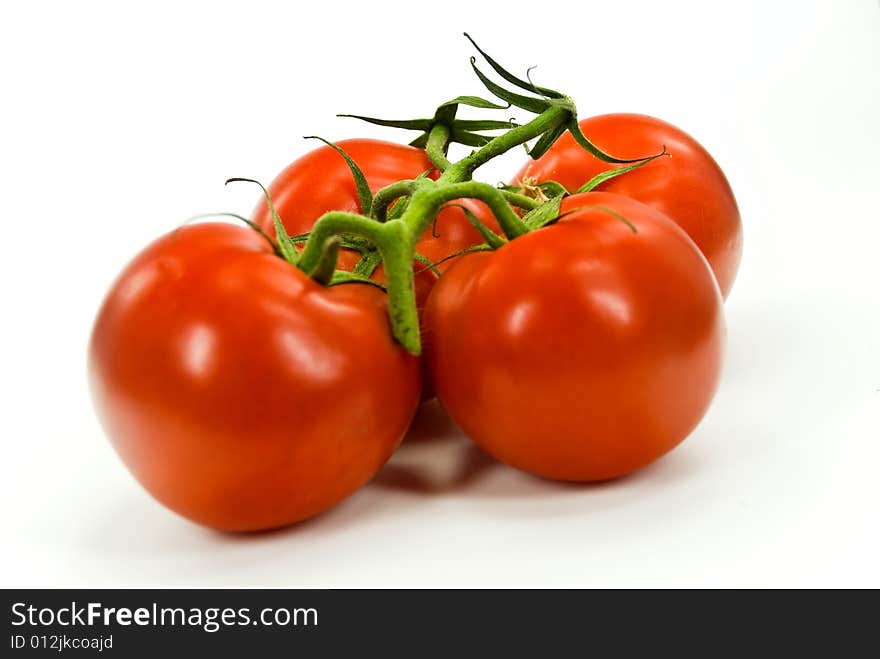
[246, 392]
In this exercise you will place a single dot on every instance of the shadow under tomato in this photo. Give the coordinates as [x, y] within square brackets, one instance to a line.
[430, 424]
[431, 427]
[432, 473]
[437, 458]
[432, 440]
[434, 458]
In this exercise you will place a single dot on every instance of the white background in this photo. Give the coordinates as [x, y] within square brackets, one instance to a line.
[118, 123]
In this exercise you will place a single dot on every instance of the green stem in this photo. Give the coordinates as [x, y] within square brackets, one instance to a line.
[508, 220]
[323, 271]
[397, 248]
[396, 238]
[520, 200]
[548, 120]
[438, 141]
[492, 239]
[333, 224]
[368, 263]
[384, 196]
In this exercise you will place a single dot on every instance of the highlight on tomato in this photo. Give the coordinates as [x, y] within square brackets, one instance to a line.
[583, 350]
[241, 393]
[689, 186]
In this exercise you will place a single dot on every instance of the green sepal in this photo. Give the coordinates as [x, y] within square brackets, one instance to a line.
[546, 140]
[535, 105]
[544, 214]
[368, 263]
[518, 200]
[617, 215]
[553, 189]
[445, 114]
[406, 124]
[398, 206]
[604, 209]
[491, 238]
[512, 79]
[515, 196]
[424, 260]
[468, 138]
[483, 124]
[347, 242]
[581, 139]
[344, 277]
[365, 195]
[285, 245]
[462, 252]
[607, 175]
[475, 102]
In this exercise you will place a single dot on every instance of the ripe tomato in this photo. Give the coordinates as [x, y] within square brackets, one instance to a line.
[581, 351]
[320, 181]
[689, 187]
[239, 392]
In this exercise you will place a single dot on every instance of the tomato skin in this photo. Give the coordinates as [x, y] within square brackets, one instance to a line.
[689, 187]
[320, 181]
[581, 351]
[239, 392]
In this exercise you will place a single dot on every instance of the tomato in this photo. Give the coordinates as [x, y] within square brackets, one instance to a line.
[689, 186]
[239, 392]
[320, 181]
[581, 351]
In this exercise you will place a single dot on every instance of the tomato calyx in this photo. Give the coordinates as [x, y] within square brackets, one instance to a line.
[285, 244]
[547, 100]
[444, 128]
[323, 270]
[395, 240]
[549, 194]
[392, 220]
[400, 212]
[532, 189]
[544, 214]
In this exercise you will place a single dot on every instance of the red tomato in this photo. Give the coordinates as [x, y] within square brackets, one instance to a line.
[689, 187]
[581, 351]
[239, 392]
[320, 181]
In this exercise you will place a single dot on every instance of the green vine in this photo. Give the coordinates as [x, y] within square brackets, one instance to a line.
[395, 217]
